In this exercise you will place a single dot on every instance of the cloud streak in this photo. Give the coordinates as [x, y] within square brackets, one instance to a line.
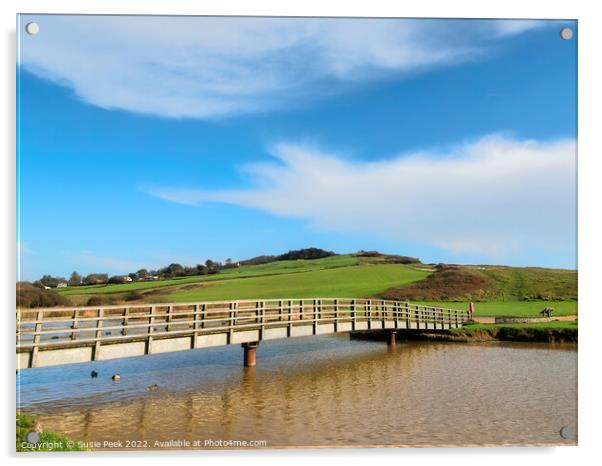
[89, 259]
[494, 197]
[203, 67]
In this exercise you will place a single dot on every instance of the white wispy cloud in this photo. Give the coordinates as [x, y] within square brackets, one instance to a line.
[210, 67]
[495, 196]
[87, 258]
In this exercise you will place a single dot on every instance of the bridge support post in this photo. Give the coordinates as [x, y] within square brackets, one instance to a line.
[250, 356]
[391, 338]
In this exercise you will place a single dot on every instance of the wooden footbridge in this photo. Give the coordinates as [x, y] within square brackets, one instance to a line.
[55, 336]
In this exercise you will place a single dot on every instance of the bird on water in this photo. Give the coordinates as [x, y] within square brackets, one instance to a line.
[116, 377]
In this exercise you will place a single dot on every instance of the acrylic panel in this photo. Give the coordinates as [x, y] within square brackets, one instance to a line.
[250, 233]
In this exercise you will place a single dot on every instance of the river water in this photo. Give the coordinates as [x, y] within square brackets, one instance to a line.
[317, 391]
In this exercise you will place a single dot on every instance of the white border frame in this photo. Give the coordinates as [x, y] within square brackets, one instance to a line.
[590, 38]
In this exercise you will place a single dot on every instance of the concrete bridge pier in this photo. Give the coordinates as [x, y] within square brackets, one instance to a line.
[250, 357]
[391, 338]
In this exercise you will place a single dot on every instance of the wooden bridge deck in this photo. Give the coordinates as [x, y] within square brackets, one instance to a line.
[55, 336]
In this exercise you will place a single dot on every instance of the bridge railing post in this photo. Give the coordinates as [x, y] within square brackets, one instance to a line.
[37, 338]
[290, 317]
[196, 325]
[74, 325]
[232, 320]
[336, 314]
[99, 323]
[151, 330]
[168, 317]
[262, 316]
[203, 316]
[125, 321]
[353, 315]
[320, 310]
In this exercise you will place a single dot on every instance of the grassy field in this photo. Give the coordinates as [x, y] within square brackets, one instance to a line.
[527, 283]
[338, 276]
[512, 308]
[249, 271]
[354, 281]
[507, 291]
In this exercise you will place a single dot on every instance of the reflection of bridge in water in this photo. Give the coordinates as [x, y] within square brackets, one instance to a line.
[55, 336]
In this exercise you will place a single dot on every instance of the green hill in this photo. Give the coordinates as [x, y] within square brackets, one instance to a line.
[497, 290]
[336, 276]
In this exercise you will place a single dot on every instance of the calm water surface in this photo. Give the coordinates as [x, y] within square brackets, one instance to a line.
[317, 391]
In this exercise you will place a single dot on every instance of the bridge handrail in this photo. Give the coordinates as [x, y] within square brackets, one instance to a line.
[209, 317]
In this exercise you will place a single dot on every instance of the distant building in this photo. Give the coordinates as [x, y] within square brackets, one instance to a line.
[61, 285]
[127, 279]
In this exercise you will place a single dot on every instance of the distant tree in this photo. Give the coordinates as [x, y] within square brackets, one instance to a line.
[75, 279]
[96, 279]
[209, 263]
[172, 270]
[133, 275]
[50, 281]
[228, 264]
[118, 279]
[142, 274]
[308, 253]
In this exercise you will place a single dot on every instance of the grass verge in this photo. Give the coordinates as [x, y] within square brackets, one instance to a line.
[549, 332]
[48, 441]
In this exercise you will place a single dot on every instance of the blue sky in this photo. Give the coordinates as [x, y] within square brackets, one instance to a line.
[146, 141]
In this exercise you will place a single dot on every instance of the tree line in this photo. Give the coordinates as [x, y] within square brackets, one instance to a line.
[174, 270]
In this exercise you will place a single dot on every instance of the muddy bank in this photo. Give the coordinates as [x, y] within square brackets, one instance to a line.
[479, 334]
